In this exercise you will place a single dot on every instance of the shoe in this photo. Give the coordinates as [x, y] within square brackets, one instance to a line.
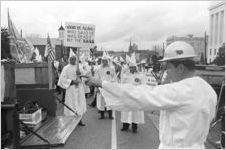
[81, 124]
[111, 118]
[125, 127]
[110, 114]
[101, 115]
[134, 127]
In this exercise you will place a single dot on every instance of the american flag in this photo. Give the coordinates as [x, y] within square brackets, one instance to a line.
[50, 51]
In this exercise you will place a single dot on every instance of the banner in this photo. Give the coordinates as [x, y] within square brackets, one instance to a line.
[20, 48]
[79, 35]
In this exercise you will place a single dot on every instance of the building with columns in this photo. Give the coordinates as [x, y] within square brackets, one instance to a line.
[217, 29]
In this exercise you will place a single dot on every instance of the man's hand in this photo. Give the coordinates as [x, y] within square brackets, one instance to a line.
[76, 82]
[93, 81]
[78, 73]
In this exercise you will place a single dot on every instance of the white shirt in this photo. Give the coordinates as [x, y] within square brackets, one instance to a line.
[187, 108]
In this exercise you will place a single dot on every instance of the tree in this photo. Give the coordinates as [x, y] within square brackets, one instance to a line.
[5, 51]
[220, 59]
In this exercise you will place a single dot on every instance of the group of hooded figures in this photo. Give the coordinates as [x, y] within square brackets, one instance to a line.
[111, 70]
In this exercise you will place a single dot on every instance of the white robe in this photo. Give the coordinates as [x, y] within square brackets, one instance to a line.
[132, 116]
[124, 71]
[186, 108]
[102, 74]
[75, 95]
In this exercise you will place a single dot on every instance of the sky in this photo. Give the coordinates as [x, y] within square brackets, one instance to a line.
[146, 23]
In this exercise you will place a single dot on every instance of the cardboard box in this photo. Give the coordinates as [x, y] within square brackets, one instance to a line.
[33, 118]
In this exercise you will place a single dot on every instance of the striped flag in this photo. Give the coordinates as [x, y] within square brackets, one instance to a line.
[50, 51]
[51, 55]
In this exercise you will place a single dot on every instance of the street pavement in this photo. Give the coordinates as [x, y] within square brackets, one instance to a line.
[106, 134]
[145, 138]
[213, 137]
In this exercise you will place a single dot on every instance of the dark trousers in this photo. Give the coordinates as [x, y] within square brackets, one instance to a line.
[125, 126]
[134, 127]
[94, 102]
[92, 90]
[109, 114]
[63, 96]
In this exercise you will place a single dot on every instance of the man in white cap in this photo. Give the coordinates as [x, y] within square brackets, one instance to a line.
[132, 117]
[104, 73]
[187, 104]
[75, 95]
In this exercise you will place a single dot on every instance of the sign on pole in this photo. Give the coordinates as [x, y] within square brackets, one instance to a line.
[79, 35]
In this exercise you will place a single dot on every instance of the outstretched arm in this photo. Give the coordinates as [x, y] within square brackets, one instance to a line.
[143, 97]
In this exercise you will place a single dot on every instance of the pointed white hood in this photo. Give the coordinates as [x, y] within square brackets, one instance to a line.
[127, 59]
[121, 59]
[133, 60]
[104, 55]
[71, 53]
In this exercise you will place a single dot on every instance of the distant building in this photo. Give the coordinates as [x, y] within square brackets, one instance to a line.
[139, 54]
[217, 14]
[40, 43]
[133, 47]
[61, 33]
[198, 43]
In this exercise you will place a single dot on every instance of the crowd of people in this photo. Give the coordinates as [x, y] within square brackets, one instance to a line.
[186, 102]
[75, 90]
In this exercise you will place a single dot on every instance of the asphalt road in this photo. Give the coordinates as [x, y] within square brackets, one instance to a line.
[106, 134]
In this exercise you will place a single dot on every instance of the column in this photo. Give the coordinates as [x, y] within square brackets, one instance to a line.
[219, 30]
[209, 38]
[216, 30]
[224, 28]
[213, 36]
[211, 32]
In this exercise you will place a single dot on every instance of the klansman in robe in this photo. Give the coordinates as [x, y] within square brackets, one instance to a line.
[132, 117]
[105, 73]
[75, 94]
